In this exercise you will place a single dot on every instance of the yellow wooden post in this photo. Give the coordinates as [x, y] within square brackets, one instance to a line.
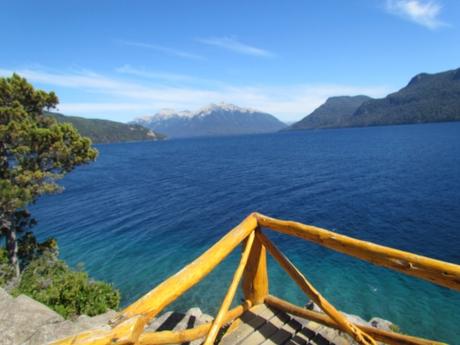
[219, 319]
[255, 278]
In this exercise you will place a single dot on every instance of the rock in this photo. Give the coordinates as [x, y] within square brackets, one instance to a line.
[103, 319]
[313, 306]
[67, 328]
[87, 322]
[352, 318]
[22, 317]
[356, 319]
[5, 301]
[53, 331]
[6, 306]
[383, 324]
[83, 321]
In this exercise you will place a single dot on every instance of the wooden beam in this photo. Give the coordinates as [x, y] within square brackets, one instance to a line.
[345, 325]
[187, 335]
[255, 277]
[219, 319]
[435, 271]
[390, 338]
[169, 290]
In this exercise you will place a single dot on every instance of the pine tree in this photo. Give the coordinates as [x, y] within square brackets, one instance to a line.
[35, 152]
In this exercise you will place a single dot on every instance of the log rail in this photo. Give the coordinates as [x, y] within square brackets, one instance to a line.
[128, 326]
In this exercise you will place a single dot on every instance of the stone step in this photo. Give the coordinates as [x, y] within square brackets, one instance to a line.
[179, 321]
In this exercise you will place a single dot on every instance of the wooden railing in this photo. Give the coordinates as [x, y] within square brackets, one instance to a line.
[128, 326]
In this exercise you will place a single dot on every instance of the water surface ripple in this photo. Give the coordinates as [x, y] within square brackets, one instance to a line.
[144, 210]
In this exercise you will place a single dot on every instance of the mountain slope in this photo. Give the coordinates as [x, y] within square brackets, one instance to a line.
[213, 120]
[104, 131]
[333, 113]
[427, 98]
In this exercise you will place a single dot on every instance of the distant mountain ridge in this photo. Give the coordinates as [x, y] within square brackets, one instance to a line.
[426, 98]
[212, 120]
[333, 113]
[105, 131]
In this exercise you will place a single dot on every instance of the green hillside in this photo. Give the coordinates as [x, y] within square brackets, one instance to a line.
[426, 98]
[105, 131]
[333, 113]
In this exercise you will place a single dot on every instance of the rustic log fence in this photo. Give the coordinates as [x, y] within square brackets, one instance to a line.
[128, 326]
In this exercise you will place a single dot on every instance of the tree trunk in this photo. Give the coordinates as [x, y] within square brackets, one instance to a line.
[11, 243]
[13, 250]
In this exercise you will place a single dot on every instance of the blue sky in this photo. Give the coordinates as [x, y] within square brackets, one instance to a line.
[122, 59]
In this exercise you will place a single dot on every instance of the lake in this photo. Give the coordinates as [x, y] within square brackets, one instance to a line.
[144, 210]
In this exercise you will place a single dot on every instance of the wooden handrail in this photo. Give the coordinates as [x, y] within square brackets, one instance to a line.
[345, 325]
[387, 337]
[173, 287]
[128, 326]
[435, 271]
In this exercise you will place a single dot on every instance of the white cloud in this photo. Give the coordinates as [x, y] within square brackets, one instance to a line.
[143, 73]
[132, 99]
[163, 49]
[234, 45]
[97, 110]
[164, 76]
[422, 12]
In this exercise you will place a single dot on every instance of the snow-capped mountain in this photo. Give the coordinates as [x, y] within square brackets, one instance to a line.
[212, 120]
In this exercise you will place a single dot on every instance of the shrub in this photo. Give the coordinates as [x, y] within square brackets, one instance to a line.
[395, 328]
[6, 269]
[51, 282]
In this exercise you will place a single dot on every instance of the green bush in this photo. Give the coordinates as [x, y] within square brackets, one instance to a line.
[6, 270]
[51, 282]
[395, 328]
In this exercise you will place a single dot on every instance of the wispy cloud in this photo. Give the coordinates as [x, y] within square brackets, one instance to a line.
[163, 49]
[176, 78]
[422, 12]
[123, 100]
[98, 110]
[144, 73]
[234, 45]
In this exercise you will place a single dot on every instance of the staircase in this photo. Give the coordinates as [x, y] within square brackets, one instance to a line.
[263, 325]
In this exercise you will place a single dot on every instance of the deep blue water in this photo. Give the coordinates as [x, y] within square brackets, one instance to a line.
[144, 210]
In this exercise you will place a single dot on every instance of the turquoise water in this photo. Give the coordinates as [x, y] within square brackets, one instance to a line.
[144, 210]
